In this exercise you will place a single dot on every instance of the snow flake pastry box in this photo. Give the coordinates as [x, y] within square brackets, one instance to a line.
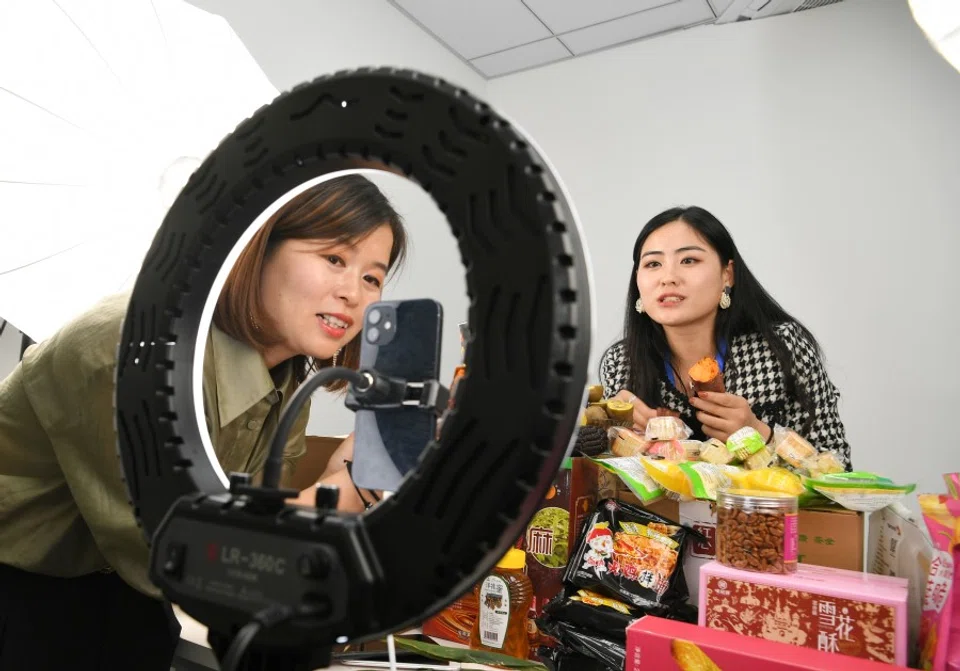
[832, 610]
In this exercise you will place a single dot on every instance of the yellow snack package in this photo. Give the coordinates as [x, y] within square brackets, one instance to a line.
[773, 479]
[668, 475]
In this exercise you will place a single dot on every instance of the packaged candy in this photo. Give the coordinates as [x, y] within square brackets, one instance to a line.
[791, 447]
[745, 442]
[715, 452]
[630, 554]
[626, 442]
[705, 375]
[634, 476]
[706, 479]
[671, 450]
[761, 459]
[668, 475]
[667, 428]
[861, 491]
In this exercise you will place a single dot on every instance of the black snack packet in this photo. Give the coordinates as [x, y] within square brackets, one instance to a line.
[591, 613]
[630, 554]
[558, 658]
[579, 644]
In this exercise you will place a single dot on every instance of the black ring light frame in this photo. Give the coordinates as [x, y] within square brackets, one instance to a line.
[516, 412]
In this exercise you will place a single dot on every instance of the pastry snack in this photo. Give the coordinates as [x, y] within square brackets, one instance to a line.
[792, 448]
[666, 428]
[705, 375]
[715, 452]
[745, 442]
[626, 442]
[762, 458]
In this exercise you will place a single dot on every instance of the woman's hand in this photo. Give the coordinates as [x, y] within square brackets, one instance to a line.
[641, 411]
[723, 414]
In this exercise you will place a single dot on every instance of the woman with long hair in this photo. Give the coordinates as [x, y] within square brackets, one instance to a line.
[691, 296]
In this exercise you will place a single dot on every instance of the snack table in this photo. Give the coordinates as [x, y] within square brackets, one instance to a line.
[194, 654]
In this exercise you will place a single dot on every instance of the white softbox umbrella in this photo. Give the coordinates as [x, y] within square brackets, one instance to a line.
[106, 107]
[940, 21]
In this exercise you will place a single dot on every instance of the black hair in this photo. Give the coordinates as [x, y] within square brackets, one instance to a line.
[752, 310]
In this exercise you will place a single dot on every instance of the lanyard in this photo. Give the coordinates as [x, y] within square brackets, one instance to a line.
[721, 361]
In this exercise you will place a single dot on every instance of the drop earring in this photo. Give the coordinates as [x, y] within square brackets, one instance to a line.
[638, 306]
[725, 298]
[333, 361]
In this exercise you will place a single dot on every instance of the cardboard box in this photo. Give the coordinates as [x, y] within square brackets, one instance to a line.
[312, 464]
[553, 531]
[831, 537]
[701, 517]
[836, 611]
[667, 645]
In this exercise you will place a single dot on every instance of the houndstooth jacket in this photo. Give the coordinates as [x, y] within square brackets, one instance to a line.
[753, 372]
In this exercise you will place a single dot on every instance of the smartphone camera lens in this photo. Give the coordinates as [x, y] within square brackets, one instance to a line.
[373, 317]
[373, 334]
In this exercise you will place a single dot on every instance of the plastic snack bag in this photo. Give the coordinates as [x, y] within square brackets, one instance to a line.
[940, 619]
[635, 476]
[705, 479]
[667, 428]
[861, 491]
[744, 442]
[671, 450]
[630, 554]
[668, 475]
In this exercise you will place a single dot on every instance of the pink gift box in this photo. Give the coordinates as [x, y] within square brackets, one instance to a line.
[832, 610]
[667, 645]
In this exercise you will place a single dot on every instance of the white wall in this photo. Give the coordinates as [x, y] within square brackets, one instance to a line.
[297, 40]
[829, 143]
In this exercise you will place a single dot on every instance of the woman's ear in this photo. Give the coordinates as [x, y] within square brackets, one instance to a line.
[728, 274]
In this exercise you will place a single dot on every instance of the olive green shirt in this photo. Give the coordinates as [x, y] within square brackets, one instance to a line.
[63, 505]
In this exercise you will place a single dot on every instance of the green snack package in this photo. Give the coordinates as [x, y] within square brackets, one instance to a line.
[705, 478]
[633, 474]
[745, 442]
[865, 492]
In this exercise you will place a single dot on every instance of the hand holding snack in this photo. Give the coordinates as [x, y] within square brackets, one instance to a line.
[641, 411]
[705, 375]
[723, 414]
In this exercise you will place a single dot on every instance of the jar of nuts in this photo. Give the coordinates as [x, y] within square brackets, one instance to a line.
[756, 530]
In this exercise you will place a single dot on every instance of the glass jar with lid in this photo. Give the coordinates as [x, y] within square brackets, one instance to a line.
[757, 530]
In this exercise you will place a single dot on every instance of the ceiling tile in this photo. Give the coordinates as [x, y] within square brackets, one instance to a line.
[473, 28]
[720, 6]
[643, 24]
[519, 58]
[562, 16]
